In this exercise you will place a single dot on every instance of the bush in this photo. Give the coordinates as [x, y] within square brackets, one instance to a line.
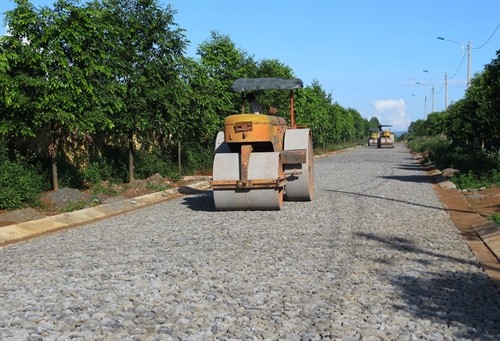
[20, 183]
[434, 149]
[98, 170]
[495, 218]
[149, 164]
[471, 159]
[197, 158]
[471, 180]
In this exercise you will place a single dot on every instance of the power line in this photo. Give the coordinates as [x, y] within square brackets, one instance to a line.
[486, 42]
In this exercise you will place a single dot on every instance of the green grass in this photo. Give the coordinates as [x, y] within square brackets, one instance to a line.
[495, 218]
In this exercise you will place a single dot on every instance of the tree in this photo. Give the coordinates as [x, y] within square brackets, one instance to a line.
[54, 61]
[374, 123]
[436, 123]
[312, 111]
[418, 128]
[20, 70]
[484, 91]
[280, 99]
[145, 54]
[361, 125]
[209, 81]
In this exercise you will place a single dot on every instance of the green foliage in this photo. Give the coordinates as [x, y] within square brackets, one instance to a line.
[444, 154]
[373, 123]
[472, 128]
[474, 121]
[156, 187]
[105, 188]
[471, 180]
[98, 170]
[74, 206]
[148, 164]
[472, 159]
[197, 158]
[495, 218]
[20, 183]
[433, 148]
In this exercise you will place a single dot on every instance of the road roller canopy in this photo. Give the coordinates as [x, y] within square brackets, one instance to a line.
[384, 125]
[249, 84]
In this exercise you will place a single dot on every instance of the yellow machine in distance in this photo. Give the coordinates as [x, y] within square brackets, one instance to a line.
[372, 139]
[260, 161]
[386, 137]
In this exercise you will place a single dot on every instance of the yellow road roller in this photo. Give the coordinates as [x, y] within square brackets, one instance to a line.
[386, 137]
[259, 160]
[372, 140]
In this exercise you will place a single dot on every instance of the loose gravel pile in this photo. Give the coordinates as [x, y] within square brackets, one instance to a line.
[373, 257]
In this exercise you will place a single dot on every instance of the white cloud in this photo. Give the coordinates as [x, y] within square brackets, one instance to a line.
[393, 112]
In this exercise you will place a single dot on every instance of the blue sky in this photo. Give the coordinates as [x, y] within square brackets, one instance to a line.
[369, 54]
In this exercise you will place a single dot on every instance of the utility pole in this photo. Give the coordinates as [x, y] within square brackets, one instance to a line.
[445, 91]
[432, 97]
[468, 63]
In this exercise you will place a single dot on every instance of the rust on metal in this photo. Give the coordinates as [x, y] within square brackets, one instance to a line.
[246, 150]
[292, 156]
[243, 126]
[254, 183]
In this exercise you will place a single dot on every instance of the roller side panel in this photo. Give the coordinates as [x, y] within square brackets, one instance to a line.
[220, 145]
[299, 187]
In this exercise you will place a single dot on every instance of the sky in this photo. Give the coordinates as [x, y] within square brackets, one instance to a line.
[368, 54]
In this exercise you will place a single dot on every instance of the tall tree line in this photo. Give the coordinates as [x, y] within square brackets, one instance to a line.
[115, 73]
[472, 122]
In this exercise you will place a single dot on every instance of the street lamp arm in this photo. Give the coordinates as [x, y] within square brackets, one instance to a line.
[453, 41]
[464, 51]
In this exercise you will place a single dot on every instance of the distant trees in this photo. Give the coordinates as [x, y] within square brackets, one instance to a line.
[473, 121]
[467, 135]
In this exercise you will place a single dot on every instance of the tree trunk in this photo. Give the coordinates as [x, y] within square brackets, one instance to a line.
[179, 155]
[55, 176]
[53, 148]
[131, 158]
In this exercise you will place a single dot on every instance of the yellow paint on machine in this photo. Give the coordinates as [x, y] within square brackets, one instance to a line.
[247, 128]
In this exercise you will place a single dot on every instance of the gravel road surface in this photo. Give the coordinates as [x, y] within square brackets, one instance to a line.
[373, 257]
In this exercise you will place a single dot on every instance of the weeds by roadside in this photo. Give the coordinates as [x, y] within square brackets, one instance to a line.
[495, 218]
[478, 168]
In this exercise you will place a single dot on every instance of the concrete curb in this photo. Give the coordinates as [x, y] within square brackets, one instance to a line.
[489, 232]
[29, 229]
[439, 178]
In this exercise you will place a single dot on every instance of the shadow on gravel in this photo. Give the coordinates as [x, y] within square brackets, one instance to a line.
[410, 178]
[412, 166]
[452, 297]
[189, 190]
[406, 246]
[401, 201]
[388, 199]
[203, 201]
